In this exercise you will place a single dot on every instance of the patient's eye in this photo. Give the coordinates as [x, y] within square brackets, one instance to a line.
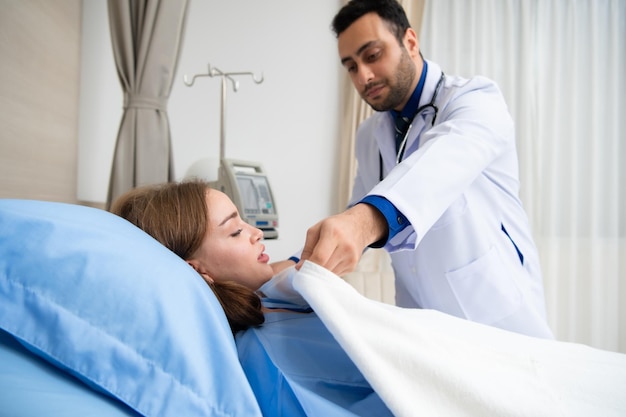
[237, 233]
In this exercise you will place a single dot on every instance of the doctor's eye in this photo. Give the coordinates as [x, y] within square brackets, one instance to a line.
[373, 55]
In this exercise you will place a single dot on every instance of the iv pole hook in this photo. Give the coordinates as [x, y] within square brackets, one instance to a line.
[216, 72]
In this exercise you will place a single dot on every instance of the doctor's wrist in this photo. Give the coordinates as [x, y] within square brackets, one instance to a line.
[375, 225]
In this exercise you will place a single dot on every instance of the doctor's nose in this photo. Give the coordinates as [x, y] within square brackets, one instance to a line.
[364, 75]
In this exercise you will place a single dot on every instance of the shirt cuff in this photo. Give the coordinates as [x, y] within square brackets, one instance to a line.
[396, 221]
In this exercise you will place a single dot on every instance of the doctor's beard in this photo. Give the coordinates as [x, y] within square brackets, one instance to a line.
[399, 88]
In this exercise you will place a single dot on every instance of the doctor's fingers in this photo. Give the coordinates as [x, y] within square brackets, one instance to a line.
[342, 262]
[339, 261]
[327, 245]
[312, 236]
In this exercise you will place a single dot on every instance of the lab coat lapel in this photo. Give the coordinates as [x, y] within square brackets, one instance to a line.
[385, 140]
[424, 119]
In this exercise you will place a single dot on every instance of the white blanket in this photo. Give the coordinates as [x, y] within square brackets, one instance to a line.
[426, 363]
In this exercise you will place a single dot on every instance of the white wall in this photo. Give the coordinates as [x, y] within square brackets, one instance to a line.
[289, 123]
[101, 101]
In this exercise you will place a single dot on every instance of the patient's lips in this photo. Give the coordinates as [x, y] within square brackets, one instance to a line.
[263, 257]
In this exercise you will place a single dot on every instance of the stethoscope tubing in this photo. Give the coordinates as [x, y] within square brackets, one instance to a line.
[431, 104]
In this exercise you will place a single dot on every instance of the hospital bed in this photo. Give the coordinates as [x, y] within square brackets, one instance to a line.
[98, 319]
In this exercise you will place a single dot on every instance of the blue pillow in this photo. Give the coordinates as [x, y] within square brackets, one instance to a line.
[102, 300]
[30, 386]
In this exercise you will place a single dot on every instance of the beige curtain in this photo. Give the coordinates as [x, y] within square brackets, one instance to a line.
[355, 110]
[147, 37]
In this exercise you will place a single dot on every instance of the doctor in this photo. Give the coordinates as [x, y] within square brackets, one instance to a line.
[441, 195]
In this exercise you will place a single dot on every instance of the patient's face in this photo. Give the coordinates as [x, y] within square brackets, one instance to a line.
[232, 249]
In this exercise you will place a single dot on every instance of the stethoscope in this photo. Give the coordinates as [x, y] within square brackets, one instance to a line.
[402, 148]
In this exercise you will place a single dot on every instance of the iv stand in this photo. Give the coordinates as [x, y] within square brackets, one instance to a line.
[215, 72]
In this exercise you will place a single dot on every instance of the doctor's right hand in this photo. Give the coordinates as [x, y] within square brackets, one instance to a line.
[337, 242]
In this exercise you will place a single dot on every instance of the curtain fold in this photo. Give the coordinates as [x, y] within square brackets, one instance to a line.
[560, 66]
[147, 37]
[355, 110]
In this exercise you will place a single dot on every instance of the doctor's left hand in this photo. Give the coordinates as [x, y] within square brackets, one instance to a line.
[337, 242]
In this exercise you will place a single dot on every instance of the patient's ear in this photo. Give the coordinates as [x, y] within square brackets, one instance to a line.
[195, 264]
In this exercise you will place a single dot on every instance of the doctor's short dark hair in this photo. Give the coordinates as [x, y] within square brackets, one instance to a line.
[390, 11]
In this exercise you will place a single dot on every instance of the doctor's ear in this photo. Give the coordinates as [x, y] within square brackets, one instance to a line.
[411, 43]
[200, 270]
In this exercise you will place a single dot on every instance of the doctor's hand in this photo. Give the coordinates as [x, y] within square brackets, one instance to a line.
[337, 242]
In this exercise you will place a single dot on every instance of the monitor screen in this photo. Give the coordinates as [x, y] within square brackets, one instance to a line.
[255, 195]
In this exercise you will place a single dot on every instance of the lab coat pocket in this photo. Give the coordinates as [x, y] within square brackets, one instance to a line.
[484, 289]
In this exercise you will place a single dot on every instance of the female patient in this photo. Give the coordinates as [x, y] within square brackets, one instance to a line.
[293, 363]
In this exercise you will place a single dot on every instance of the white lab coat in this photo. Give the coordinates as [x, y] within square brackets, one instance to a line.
[457, 185]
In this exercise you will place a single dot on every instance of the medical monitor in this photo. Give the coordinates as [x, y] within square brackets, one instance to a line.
[247, 185]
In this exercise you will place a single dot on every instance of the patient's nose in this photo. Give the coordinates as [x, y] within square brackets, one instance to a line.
[256, 235]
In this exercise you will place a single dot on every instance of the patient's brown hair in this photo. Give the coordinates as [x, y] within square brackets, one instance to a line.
[176, 215]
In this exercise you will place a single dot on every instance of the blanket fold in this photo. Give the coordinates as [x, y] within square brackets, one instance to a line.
[427, 363]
